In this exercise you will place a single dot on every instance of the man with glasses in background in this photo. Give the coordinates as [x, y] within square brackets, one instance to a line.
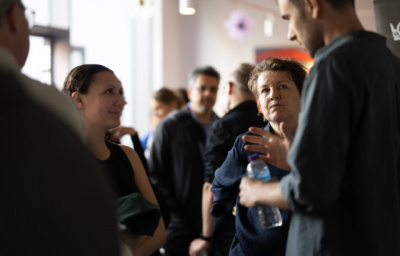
[176, 164]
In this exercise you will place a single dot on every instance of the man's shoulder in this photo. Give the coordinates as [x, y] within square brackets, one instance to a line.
[55, 101]
[352, 46]
[240, 117]
[177, 121]
[350, 56]
[178, 116]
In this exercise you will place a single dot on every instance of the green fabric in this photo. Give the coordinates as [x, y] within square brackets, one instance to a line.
[139, 215]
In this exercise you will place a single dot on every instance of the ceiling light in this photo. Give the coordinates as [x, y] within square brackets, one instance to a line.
[186, 7]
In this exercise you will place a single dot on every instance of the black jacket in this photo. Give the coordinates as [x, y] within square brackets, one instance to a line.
[222, 134]
[176, 167]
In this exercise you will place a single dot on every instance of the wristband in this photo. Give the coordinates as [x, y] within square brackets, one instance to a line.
[205, 238]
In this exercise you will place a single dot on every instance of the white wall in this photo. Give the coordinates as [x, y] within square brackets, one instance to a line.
[148, 53]
[111, 36]
[201, 39]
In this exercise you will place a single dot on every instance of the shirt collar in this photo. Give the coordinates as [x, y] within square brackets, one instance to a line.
[205, 126]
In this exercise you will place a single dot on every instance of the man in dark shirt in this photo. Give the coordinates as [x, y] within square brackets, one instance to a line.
[243, 113]
[344, 187]
[176, 163]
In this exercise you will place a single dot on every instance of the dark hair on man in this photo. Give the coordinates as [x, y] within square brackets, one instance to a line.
[79, 78]
[5, 6]
[241, 77]
[207, 70]
[335, 3]
[165, 95]
[297, 72]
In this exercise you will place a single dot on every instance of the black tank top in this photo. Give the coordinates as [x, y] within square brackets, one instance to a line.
[119, 172]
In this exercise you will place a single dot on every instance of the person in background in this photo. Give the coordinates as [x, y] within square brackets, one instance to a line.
[176, 165]
[343, 187]
[277, 84]
[243, 112]
[47, 173]
[99, 96]
[182, 96]
[163, 102]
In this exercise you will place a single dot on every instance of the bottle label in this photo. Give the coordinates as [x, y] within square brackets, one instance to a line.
[262, 175]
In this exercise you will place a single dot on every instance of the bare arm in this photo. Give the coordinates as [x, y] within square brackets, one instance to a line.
[150, 243]
[198, 244]
[254, 193]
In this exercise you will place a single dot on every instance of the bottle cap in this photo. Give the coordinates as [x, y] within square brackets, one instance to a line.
[252, 157]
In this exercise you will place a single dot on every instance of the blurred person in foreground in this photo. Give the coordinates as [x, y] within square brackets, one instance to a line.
[344, 187]
[54, 200]
[14, 48]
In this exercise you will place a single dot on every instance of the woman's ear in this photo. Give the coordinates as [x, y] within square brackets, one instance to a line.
[77, 98]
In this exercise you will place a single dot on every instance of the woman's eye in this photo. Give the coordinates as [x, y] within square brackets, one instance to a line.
[121, 92]
[265, 90]
[109, 91]
[283, 86]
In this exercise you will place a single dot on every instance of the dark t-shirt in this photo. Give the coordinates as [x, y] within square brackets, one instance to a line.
[344, 187]
[119, 171]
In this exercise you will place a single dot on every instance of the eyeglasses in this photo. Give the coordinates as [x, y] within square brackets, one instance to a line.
[204, 89]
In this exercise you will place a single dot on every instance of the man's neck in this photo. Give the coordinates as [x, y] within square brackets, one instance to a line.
[344, 22]
[234, 101]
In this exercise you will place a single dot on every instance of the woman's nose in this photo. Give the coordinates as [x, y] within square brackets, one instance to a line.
[121, 101]
[274, 94]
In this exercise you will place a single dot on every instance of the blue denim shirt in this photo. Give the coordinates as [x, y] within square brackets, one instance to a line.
[251, 238]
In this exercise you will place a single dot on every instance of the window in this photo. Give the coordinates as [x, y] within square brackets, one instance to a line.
[38, 65]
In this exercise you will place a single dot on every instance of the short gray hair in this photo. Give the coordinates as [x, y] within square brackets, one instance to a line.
[4, 7]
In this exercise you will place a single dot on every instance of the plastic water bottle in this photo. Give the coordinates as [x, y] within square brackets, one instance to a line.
[257, 169]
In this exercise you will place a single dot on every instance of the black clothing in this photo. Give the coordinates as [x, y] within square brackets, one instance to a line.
[344, 186]
[137, 146]
[223, 132]
[176, 168]
[220, 139]
[119, 171]
[53, 197]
